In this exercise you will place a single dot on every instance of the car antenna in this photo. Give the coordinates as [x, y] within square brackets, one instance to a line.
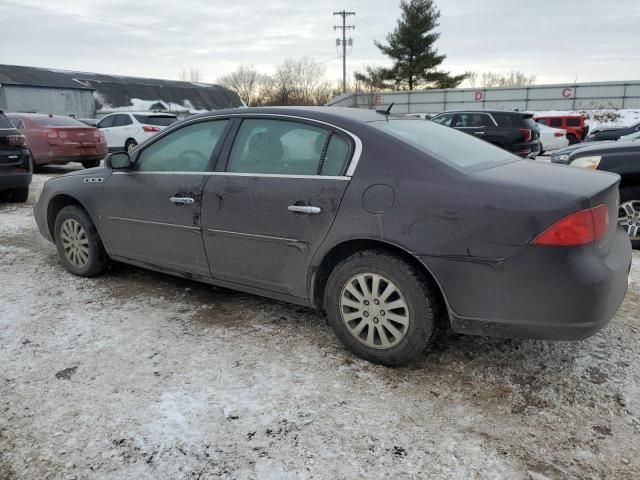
[387, 111]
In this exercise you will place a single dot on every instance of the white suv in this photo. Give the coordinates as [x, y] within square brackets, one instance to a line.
[127, 129]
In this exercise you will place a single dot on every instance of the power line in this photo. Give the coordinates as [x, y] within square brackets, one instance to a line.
[344, 27]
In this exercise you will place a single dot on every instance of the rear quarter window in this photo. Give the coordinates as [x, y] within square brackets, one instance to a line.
[157, 120]
[445, 144]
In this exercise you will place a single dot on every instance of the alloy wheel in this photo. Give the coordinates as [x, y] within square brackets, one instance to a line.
[629, 218]
[74, 243]
[374, 310]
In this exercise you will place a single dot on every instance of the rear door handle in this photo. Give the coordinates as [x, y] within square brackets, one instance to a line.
[305, 209]
[180, 201]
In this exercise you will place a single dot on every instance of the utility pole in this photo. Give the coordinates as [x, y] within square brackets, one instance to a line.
[344, 27]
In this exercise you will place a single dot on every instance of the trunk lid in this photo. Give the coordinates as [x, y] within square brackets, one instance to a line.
[79, 135]
[543, 193]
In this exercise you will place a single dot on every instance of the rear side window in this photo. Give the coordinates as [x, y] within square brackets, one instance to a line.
[573, 122]
[282, 147]
[122, 121]
[555, 122]
[55, 121]
[157, 120]
[447, 145]
[187, 149]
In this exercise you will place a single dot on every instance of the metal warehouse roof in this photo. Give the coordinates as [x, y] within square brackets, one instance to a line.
[117, 91]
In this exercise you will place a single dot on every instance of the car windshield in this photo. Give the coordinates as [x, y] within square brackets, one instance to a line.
[445, 144]
[158, 120]
[45, 121]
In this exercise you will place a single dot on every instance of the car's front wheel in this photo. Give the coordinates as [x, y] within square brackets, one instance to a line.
[629, 213]
[381, 308]
[78, 242]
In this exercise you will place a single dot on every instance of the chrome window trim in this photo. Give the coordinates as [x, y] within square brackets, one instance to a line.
[353, 163]
[238, 174]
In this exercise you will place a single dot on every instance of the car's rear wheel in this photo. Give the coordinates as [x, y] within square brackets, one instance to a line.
[130, 145]
[91, 164]
[381, 308]
[78, 242]
[629, 213]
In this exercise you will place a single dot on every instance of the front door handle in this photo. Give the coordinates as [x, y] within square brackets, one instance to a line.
[479, 133]
[180, 201]
[305, 209]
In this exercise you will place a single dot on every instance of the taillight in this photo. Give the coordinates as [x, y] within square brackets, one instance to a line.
[96, 134]
[150, 129]
[558, 134]
[48, 133]
[580, 228]
[16, 139]
[527, 134]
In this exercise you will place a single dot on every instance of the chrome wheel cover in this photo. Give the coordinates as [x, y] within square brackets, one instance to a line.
[629, 218]
[374, 310]
[75, 243]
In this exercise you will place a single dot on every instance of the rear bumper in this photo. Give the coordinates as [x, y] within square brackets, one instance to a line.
[526, 150]
[542, 292]
[12, 180]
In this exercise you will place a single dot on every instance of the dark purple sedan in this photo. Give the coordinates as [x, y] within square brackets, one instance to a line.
[397, 227]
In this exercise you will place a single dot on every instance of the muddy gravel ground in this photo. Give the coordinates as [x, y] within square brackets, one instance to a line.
[140, 375]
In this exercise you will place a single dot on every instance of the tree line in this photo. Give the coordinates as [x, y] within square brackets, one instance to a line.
[415, 63]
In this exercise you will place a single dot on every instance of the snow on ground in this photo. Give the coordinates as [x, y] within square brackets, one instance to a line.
[140, 375]
[600, 118]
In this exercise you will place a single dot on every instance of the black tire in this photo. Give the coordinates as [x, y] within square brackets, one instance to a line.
[130, 145]
[19, 195]
[416, 291]
[97, 256]
[541, 151]
[572, 139]
[632, 194]
[91, 164]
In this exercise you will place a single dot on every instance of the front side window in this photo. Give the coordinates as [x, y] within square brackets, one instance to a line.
[443, 119]
[106, 122]
[287, 148]
[187, 149]
[447, 145]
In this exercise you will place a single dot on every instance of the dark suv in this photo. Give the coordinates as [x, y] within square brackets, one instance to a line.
[513, 131]
[15, 163]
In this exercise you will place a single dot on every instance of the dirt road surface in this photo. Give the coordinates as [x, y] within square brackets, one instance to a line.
[141, 375]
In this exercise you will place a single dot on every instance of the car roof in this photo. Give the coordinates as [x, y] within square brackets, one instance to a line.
[363, 115]
[147, 113]
[477, 110]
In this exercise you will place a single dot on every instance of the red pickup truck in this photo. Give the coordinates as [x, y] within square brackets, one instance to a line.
[575, 126]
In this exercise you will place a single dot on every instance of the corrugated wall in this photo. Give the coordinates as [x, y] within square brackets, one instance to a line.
[58, 101]
[539, 97]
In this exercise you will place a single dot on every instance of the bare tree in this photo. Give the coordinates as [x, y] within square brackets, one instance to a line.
[193, 75]
[300, 82]
[514, 78]
[246, 82]
[472, 78]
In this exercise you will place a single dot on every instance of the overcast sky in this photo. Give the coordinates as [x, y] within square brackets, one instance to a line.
[556, 40]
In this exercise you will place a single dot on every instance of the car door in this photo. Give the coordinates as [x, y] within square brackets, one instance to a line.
[268, 210]
[123, 129]
[106, 126]
[152, 211]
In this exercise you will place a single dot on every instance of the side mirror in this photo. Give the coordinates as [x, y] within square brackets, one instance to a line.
[118, 160]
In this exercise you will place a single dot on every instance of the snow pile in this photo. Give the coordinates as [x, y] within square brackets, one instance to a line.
[139, 105]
